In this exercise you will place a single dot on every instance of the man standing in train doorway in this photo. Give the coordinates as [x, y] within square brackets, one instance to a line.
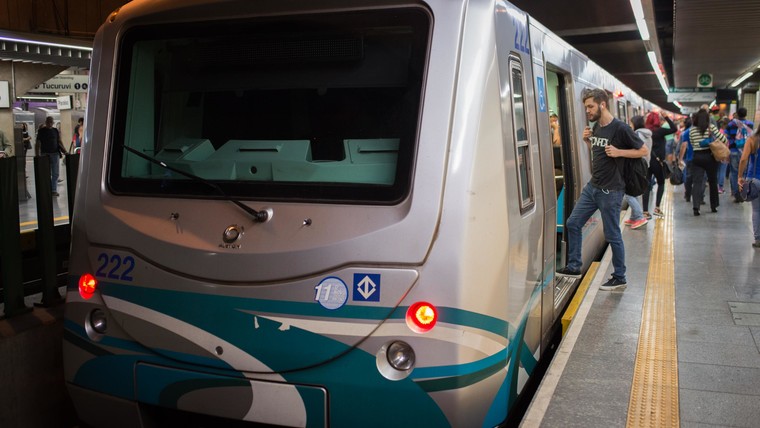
[609, 139]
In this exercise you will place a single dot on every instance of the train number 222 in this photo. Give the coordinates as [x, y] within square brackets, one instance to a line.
[114, 267]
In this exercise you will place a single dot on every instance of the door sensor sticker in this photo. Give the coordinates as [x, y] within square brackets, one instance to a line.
[331, 293]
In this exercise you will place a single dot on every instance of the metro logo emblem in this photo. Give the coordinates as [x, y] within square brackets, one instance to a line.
[366, 287]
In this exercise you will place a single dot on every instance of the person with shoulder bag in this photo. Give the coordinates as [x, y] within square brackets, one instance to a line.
[749, 183]
[703, 135]
[737, 132]
[637, 218]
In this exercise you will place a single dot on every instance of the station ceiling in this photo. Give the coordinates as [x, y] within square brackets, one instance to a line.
[690, 37]
[693, 37]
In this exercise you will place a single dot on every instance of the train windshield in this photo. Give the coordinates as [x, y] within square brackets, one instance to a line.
[320, 107]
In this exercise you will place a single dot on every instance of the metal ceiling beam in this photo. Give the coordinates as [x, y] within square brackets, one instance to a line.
[42, 49]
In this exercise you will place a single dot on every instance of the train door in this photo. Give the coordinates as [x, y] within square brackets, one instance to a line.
[522, 169]
[558, 99]
[559, 122]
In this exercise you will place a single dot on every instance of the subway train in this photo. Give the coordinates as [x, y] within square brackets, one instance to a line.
[334, 213]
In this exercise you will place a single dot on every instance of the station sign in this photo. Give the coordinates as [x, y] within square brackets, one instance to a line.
[63, 83]
[692, 96]
[5, 98]
[704, 80]
[64, 102]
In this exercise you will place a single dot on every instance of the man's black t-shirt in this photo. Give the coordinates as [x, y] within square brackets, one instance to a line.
[48, 140]
[606, 172]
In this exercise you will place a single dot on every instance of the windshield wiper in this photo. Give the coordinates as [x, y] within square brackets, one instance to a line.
[258, 216]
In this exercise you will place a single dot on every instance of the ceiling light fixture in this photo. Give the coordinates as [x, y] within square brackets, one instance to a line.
[744, 77]
[641, 22]
[37, 42]
[658, 71]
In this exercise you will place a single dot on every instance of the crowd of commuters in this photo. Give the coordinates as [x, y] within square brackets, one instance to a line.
[665, 145]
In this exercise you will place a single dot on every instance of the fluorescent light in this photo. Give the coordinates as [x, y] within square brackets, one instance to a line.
[643, 30]
[37, 42]
[641, 22]
[653, 60]
[36, 97]
[638, 10]
[744, 77]
[656, 67]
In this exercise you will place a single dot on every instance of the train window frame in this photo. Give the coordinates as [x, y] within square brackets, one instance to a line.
[621, 109]
[419, 23]
[523, 156]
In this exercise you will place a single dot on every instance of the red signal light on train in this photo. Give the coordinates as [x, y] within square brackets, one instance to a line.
[87, 286]
[421, 317]
[618, 94]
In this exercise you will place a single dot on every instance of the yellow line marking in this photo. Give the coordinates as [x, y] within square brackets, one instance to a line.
[572, 308]
[654, 393]
[30, 223]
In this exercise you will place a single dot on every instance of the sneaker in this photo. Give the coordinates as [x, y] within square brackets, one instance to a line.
[647, 215]
[566, 271]
[720, 190]
[638, 223]
[628, 222]
[658, 212]
[613, 284]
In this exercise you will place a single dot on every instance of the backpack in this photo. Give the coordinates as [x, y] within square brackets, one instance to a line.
[742, 133]
[635, 176]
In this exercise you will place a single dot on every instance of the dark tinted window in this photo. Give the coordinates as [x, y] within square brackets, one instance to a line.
[321, 107]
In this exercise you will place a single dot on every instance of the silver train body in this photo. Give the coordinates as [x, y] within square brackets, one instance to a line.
[402, 155]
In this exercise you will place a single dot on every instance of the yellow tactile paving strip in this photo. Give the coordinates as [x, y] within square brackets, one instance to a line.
[654, 393]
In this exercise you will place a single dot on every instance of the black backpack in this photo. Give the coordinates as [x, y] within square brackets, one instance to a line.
[635, 176]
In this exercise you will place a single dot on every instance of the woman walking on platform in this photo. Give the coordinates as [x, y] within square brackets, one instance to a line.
[703, 163]
[657, 160]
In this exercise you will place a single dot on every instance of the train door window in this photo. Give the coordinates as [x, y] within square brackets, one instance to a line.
[522, 147]
[622, 113]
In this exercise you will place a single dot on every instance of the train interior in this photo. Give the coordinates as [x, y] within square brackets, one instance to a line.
[559, 122]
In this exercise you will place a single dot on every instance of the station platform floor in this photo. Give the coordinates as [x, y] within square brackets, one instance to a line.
[681, 345]
[28, 205]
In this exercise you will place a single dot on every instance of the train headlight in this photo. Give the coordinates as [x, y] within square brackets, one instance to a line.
[421, 317]
[395, 360]
[400, 356]
[96, 324]
[99, 321]
[87, 286]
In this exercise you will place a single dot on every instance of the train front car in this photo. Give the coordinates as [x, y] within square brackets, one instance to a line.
[305, 217]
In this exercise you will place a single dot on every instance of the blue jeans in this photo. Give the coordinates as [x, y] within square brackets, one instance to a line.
[756, 218]
[637, 213]
[609, 203]
[55, 168]
[733, 160]
[722, 174]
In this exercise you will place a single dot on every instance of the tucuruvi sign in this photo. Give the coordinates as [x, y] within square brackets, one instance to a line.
[63, 83]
